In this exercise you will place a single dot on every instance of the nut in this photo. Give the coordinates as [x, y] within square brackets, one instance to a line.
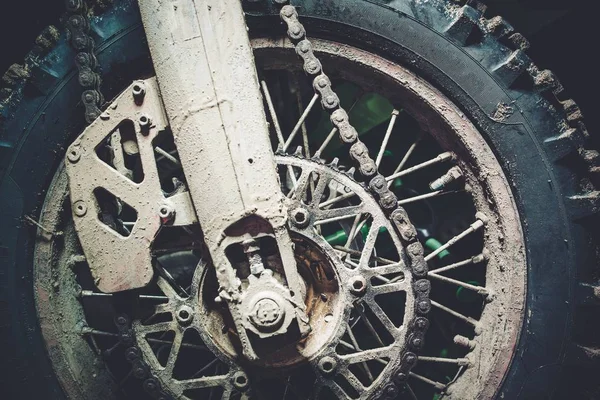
[327, 365]
[80, 208]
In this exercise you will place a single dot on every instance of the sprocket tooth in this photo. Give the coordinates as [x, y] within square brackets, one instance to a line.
[334, 163]
[512, 68]
[350, 173]
[566, 143]
[583, 205]
[279, 151]
[464, 24]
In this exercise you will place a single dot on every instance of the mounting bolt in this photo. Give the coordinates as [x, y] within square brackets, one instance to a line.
[240, 380]
[139, 91]
[166, 213]
[80, 208]
[357, 285]
[453, 174]
[300, 217]
[327, 365]
[145, 123]
[74, 154]
[185, 315]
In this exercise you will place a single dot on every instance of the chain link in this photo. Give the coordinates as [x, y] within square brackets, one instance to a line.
[78, 29]
[378, 187]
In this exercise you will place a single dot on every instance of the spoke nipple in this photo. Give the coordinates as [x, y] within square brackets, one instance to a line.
[452, 175]
[480, 257]
[464, 342]
[482, 217]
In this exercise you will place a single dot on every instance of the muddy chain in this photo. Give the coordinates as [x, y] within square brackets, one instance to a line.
[133, 354]
[378, 187]
[78, 28]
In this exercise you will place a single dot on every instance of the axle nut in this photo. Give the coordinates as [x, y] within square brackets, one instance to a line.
[267, 314]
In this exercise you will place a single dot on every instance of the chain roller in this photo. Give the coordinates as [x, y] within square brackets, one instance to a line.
[78, 33]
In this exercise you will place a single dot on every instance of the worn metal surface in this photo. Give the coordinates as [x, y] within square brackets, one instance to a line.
[205, 68]
[331, 295]
[119, 262]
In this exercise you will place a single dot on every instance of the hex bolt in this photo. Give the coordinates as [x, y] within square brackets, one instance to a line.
[327, 365]
[300, 217]
[145, 123]
[139, 91]
[357, 285]
[185, 315]
[80, 208]
[74, 154]
[240, 380]
[166, 213]
[464, 342]
[452, 175]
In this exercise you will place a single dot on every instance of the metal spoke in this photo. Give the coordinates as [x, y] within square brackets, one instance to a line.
[165, 154]
[427, 196]
[441, 158]
[339, 214]
[272, 112]
[473, 260]
[478, 289]
[406, 156]
[478, 224]
[300, 122]
[463, 362]
[437, 385]
[336, 199]
[359, 253]
[386, 138]
[357, 348]
[90, 293]
[326, 142]
[458, 315]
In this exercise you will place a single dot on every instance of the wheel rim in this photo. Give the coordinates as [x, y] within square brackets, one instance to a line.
[494, 332]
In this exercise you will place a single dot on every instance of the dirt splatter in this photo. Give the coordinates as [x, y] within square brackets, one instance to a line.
[503, 112]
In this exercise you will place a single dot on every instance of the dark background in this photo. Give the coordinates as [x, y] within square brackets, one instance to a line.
[564, 36]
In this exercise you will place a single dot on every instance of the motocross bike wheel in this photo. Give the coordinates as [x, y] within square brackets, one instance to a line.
[484, 146]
